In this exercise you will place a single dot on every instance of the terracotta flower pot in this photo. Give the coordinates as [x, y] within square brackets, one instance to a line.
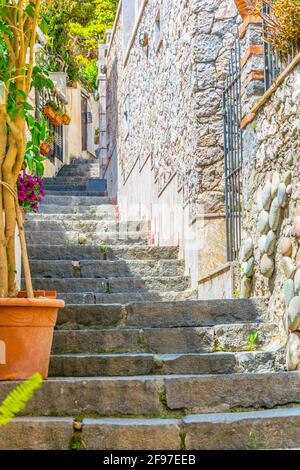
[57, 120]
[243, 7]
[44, 149]
[66, 119]
[26, 333]
[49, 112]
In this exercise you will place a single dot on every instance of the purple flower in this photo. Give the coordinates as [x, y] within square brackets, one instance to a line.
[21, 196]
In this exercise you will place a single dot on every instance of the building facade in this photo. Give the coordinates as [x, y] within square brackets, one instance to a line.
[161, 78]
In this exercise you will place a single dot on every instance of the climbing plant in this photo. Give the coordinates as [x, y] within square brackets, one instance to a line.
[282, 19]
[19, 21]
[75, 29]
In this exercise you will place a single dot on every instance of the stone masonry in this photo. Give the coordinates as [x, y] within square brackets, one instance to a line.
[136, 362]
[174, 88]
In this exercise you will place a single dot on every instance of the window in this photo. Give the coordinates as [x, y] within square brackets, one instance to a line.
[126, 118]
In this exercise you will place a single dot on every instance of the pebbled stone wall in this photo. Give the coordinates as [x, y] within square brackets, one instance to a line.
[175, 90]
[271, 195]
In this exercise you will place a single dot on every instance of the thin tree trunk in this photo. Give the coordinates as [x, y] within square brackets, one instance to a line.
[10, 215]
[3, 256]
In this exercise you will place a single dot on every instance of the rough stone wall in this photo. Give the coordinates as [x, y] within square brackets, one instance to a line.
[271, 156]
[174, 97]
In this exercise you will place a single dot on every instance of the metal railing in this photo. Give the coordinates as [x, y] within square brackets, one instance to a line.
[56, 132]
[233, 152]
[275, 62]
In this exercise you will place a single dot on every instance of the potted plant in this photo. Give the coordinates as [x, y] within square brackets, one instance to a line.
[58, 118]
[49, 110]
[45, 146]
[27, 320]
[66, 118]
[97, 136]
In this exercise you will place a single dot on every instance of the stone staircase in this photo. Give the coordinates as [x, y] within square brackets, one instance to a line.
[137, 361]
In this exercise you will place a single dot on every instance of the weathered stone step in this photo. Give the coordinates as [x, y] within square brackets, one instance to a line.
[89, 210]
[37, 434]
[150, 395]
[155, 340]
[81, 269]
[62, 180]
[131, 434]
[160, 340]
[92, 252]
[80, 365]
[127, 297]
[75, 201]
[113, 285]
[164, 314]
[80, 171]
[256, 430]
[102, 216]
[84, 238]
[75, 223]
[67, 189]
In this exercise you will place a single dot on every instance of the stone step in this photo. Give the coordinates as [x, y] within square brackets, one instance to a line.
[256, 430]
[113, 284]
[65, 180]
[164, 314]
[90, 298]
[74, 201]
[80, 365]
[102, 215]
[75, 223]
[80, 171]
[94, 269]
[65, 189]
[37, 434]
[85, 238]
[89, 210]
[132, 434]
[61, 251]
[152, 395]
[160, 340]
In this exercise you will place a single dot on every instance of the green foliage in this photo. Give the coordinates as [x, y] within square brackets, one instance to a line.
[282, 22]
[237, 294]
[253, 337]
[75, 29]
[104, 250]
[252, 437]
[18, 398]
[17, 104]
[33, 159]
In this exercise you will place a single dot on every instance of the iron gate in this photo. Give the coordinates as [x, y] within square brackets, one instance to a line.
[56, 132]
[233, 153]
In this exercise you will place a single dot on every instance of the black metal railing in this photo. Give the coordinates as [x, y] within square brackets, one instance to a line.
[233, 153]
[56, 133]
[275, 61]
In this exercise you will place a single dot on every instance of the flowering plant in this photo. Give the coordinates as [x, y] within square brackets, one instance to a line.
[30, 192]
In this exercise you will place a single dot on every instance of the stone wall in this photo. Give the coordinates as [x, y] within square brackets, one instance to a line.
[174, 92]
[271, 194]
[171, 155]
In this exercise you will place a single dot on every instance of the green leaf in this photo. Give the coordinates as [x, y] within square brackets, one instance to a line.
[40, 168]
[22, 94]
[44, 25]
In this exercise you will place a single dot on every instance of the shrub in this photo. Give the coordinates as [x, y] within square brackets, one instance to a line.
[282, 19]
